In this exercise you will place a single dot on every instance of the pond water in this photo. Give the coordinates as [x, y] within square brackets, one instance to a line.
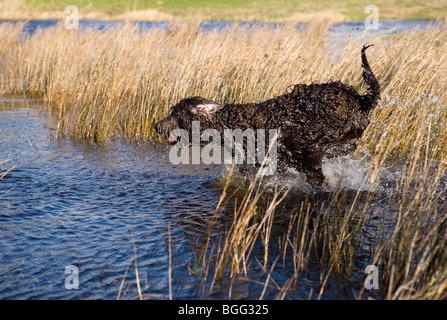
[99, 207]
[89, 206]
[76, 204]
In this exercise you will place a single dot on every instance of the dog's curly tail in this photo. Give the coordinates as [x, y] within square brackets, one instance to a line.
[372, 96]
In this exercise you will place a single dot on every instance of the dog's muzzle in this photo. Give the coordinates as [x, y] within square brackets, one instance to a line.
[164, 127]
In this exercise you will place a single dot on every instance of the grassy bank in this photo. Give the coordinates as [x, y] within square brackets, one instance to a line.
[246, 10]
[117, 83]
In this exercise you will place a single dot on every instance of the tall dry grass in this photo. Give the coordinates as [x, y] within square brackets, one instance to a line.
[401, 231]
[117, 83]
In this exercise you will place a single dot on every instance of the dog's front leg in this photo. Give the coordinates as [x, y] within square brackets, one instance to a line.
[312, 164]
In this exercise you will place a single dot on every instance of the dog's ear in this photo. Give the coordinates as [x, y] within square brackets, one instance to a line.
[206, 109]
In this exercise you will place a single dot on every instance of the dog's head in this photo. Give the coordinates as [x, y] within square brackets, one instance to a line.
[184, 113]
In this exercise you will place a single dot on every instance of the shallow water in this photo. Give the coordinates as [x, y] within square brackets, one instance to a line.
[99, 207]
[91, 206]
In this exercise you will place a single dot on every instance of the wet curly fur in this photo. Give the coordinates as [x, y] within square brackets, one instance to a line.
[314, 121]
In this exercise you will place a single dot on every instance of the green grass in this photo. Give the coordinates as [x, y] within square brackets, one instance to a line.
[268, 10]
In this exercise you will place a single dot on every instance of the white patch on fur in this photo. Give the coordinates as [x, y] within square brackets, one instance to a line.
[206, 109]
